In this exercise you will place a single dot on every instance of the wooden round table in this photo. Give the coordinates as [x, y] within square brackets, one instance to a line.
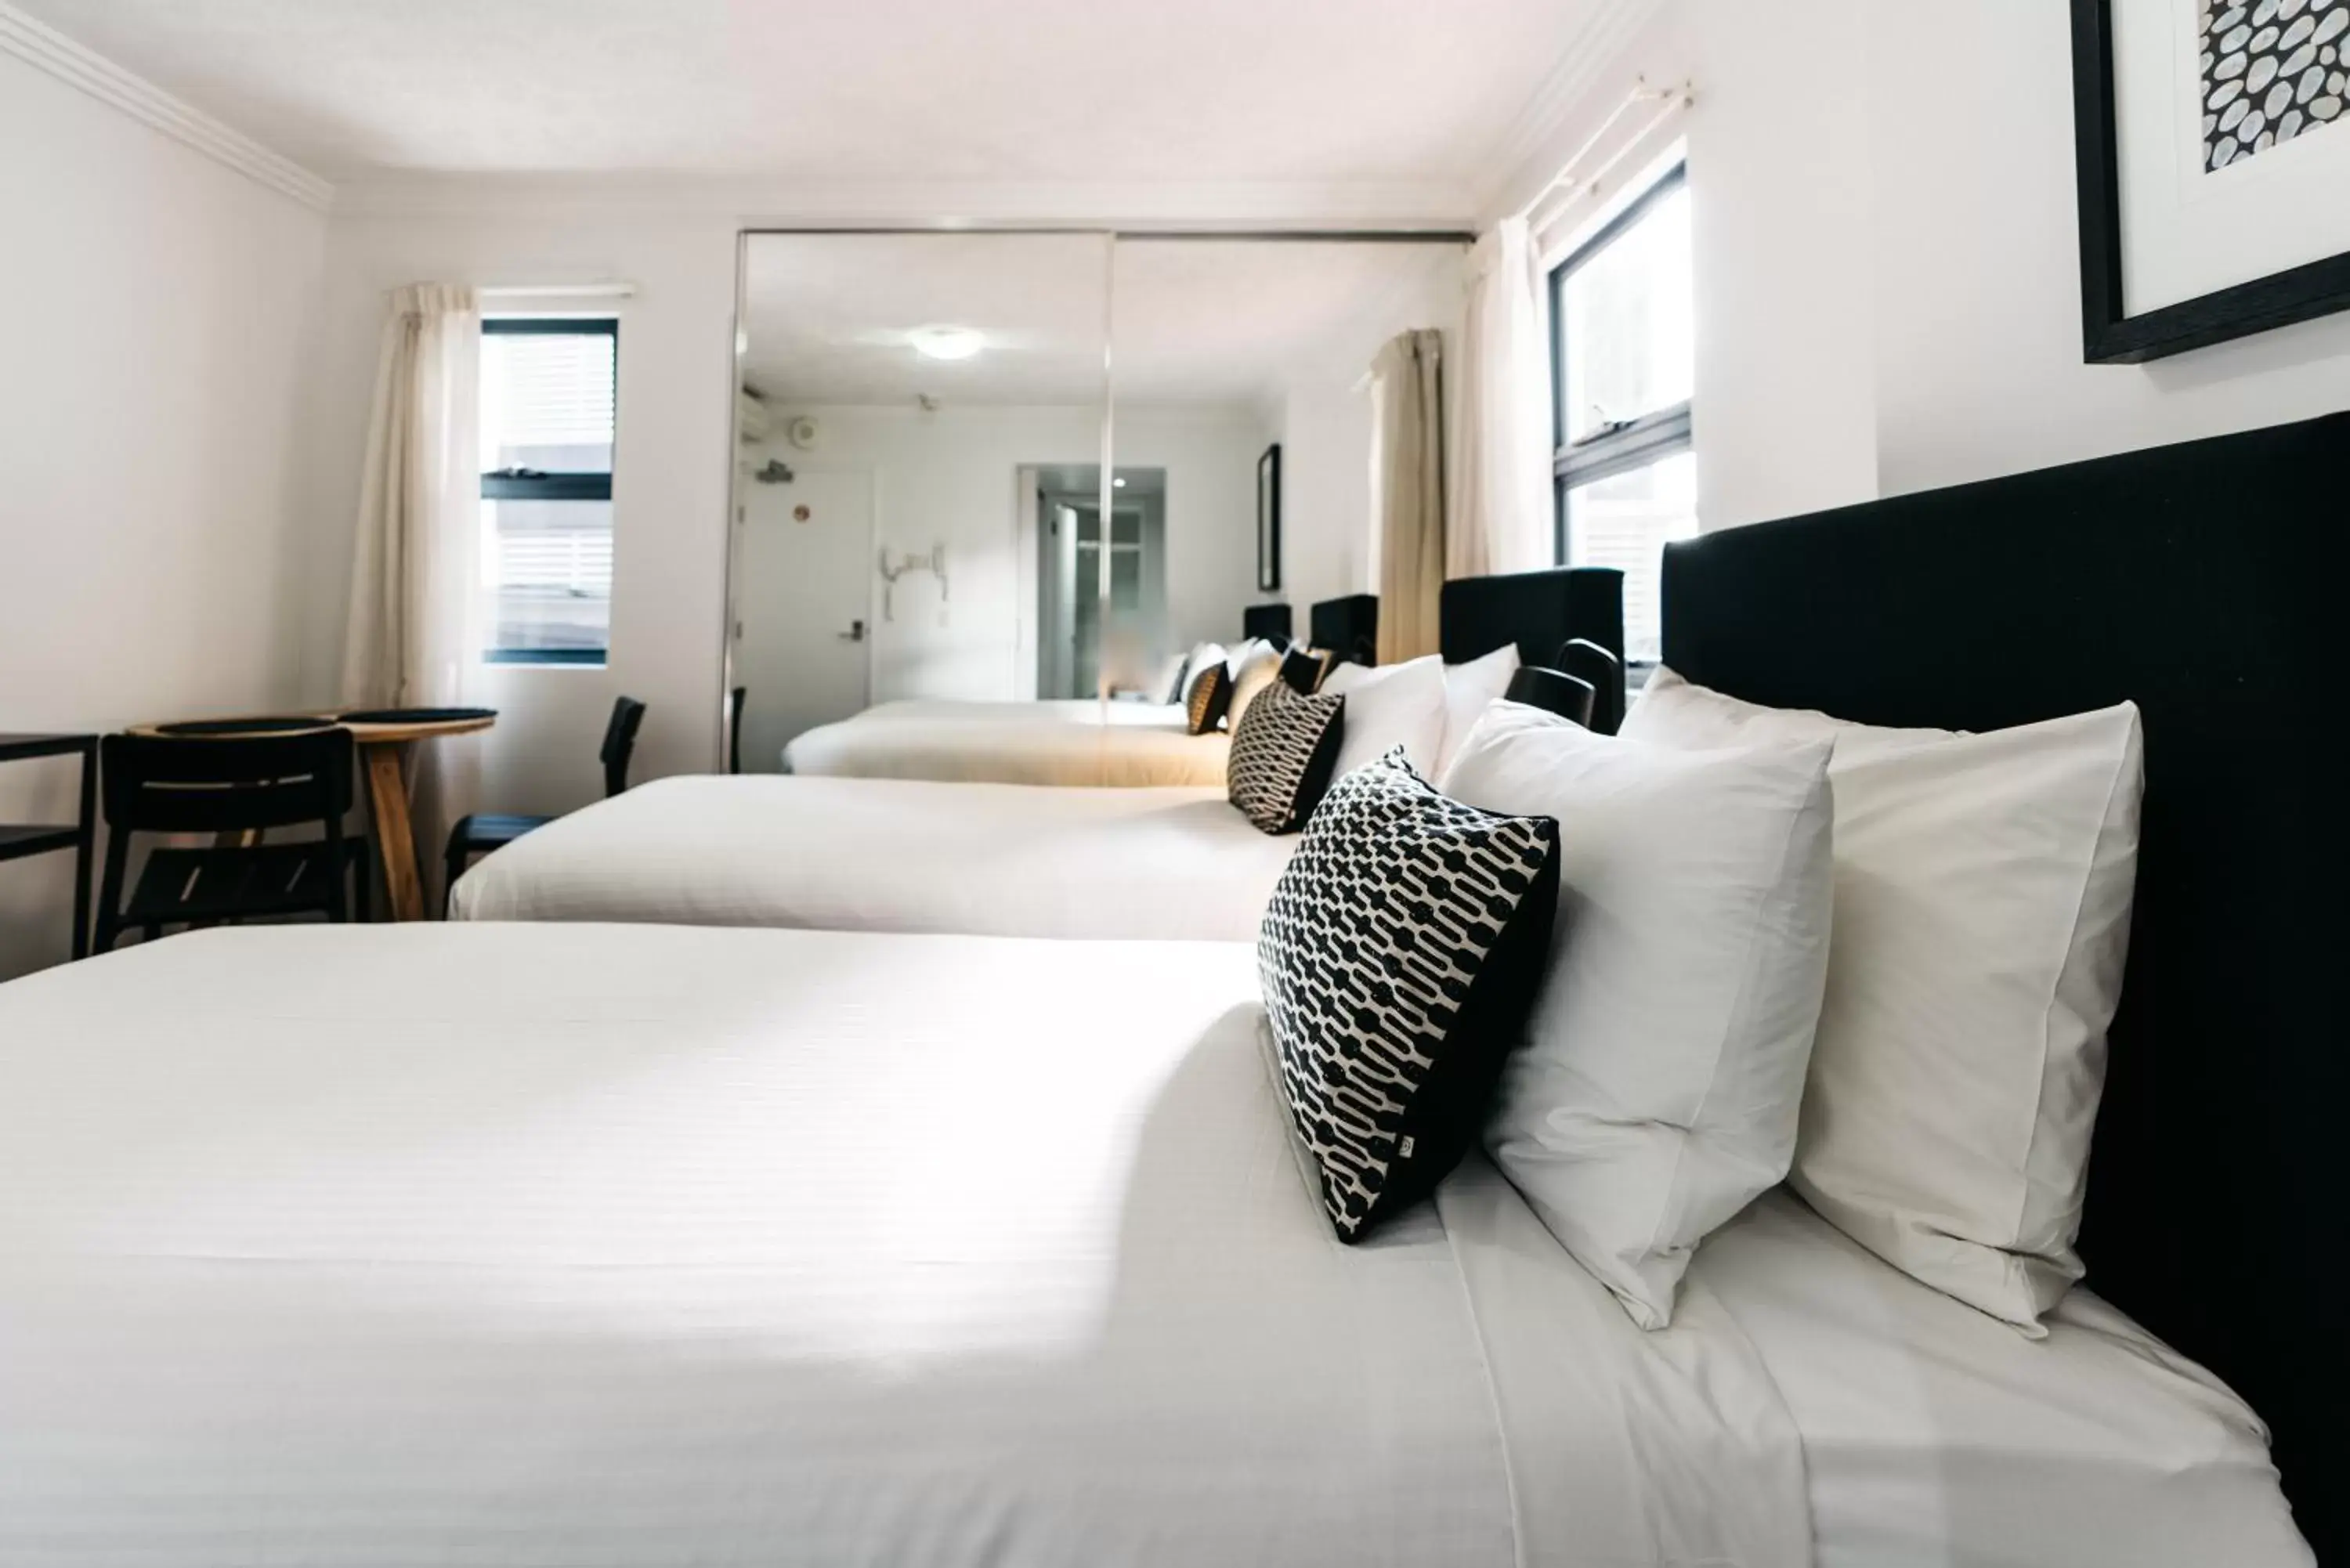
[383, 751]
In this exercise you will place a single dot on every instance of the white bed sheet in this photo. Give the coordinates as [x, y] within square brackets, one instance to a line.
[1122, 746]
[1936, 1435]
[893, 855]
[597, 1245]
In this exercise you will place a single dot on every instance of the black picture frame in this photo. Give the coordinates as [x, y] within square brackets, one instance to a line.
[2110, 337]
[1268, 519]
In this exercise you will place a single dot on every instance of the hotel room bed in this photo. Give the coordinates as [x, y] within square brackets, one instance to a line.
[1116, 744]
[353, 1246]
[893, 855]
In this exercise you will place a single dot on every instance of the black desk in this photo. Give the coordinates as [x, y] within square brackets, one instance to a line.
[18, 840]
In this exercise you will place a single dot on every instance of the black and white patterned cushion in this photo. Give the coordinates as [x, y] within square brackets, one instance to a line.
[1210, 694]
[1400, 955]
[1282, 756]
[1303, 668]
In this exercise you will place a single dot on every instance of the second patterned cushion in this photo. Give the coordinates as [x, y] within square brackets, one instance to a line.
[1282, 756]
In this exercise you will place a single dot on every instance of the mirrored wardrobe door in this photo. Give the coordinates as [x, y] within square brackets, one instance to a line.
[921, 424]
[1244, 415]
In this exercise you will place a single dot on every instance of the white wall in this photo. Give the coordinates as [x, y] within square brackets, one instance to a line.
[1886, 272]
[947, 478]
[161, 305]
[674, 451]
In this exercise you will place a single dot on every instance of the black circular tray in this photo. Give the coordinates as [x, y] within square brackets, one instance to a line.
[414, 715]
[265, 726]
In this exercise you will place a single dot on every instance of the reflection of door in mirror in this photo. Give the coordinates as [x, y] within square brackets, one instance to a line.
[803, 559]
[1075, 644]
[932, 383]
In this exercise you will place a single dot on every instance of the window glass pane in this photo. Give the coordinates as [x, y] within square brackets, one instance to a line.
[1626, 521]
[547, 402]
[1626, 323]
[546, 566]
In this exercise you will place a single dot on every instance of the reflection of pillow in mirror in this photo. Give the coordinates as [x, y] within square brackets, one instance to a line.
[1254, 667]
[1468, 688]
[1202, 654]
[1169, 687]
[1389, 706]
[1210, 694]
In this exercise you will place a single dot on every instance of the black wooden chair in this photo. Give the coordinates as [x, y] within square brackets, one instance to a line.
[485, 831]
[238, 788]
[1554, 690]
[1586, 660]
[734, 700]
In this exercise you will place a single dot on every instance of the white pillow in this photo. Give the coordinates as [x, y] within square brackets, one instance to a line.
[1658, 1091]
[1983, 892]
[1389, 706]
[1254, 665]
[1468, 687]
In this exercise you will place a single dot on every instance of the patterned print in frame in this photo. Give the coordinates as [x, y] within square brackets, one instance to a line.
[1400, 955]
[2271, 70]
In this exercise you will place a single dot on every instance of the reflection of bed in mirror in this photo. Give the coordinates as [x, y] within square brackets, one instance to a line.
[923, 854]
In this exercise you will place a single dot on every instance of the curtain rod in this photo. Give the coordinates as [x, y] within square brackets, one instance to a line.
[1670, 101]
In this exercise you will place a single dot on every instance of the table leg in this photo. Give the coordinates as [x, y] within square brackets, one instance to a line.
[85, 850]
[395, 838]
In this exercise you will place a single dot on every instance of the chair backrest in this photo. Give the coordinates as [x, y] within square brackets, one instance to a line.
[1586, 660]
[165, 784]
[620, 743]
[734, 700]
[1554, 690]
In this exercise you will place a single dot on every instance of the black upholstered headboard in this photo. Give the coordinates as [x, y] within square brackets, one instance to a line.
[1539, 611]
[1347, 627]
[2203, 583]
[1270, 622]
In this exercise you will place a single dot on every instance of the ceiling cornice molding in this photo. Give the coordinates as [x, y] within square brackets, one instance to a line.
[1565, 93]
[749, 201]
[46, 49]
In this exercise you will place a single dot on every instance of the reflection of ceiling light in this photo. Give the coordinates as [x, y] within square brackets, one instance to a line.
[1118, 484]
[946, 342]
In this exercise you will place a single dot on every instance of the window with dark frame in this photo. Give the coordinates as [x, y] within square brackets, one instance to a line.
[549, 395]
[1622, 312]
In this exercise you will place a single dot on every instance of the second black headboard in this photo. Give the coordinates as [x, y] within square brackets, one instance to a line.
[1270, 622]
[1348, 628]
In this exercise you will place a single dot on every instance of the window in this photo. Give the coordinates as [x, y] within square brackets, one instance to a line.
[1623, 360]
[548, 399]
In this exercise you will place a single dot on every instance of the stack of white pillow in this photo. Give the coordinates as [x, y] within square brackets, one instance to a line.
[1879, 963]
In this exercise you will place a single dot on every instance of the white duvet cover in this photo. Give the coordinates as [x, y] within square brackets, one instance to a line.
[599, 1245]
[1120, 744]
[1935, 1435]
[893, 855]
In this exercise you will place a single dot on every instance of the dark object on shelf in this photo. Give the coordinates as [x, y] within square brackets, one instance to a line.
[271, 724]
[1268, 520]
[1552, 691]
[734, 700]
[1271, 622]
[20, 841]
[1588, 661]
[238, 789]
[415, 715]
[1348, 628]
[485, 831]
[2109, 334]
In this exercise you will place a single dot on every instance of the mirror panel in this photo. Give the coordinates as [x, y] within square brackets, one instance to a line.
[1243, 410]
[902, 395]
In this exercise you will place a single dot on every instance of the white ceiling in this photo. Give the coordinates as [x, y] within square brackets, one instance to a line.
[869, 90]
[829, 317]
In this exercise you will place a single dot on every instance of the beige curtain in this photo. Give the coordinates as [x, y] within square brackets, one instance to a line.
[1407, 491]
[1499, 519]
[414, 635]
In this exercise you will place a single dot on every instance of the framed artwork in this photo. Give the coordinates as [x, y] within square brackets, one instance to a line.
[2212, 139]
[1268, 514]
